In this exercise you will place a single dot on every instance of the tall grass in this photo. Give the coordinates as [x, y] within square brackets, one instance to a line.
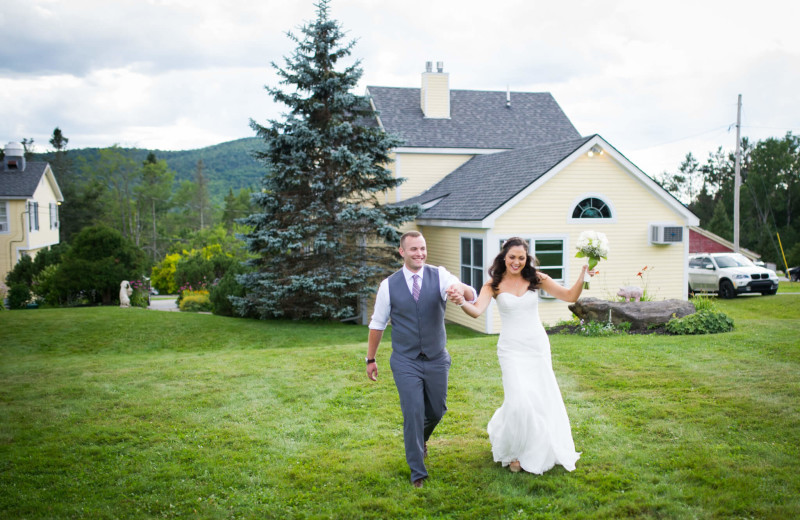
[128, 413]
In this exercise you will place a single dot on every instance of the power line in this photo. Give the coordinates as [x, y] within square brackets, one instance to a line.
[687, 137]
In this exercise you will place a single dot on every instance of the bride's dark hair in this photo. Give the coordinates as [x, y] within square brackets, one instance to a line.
[498, 268]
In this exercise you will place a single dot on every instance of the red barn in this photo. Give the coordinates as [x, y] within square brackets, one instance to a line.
[702, 241]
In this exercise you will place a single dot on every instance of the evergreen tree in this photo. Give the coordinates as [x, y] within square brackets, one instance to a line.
[201, 198]
[321, 236]
[62, 169]
[27, 145]
[153, 201]
[60, 161]
[721, 223]
[236, 207]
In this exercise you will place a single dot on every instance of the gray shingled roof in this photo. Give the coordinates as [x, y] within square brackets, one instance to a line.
[478, 119]
[22, 184]
[486, 182]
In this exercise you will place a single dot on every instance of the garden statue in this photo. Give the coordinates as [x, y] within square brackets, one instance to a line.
[125, 292]
[631, 293]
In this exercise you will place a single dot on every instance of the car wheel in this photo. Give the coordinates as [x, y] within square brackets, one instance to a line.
[726, 290]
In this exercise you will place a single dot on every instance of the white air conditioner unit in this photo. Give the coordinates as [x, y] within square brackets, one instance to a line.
[660, 234]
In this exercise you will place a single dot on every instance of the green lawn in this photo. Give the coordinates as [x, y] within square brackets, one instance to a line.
[129, 413]
[788, 287]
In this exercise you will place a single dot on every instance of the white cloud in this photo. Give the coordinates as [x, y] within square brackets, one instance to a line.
[656, 80]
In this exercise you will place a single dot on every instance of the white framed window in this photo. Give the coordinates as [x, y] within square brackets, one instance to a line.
[549, 254]
[592, 206]
[4, 223]
[53, 215]
[472, 261]
[33, 216]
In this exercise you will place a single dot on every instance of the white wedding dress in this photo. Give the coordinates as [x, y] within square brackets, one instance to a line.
[532, 424]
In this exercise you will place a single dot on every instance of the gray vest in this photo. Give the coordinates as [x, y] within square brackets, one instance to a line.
[417, 326]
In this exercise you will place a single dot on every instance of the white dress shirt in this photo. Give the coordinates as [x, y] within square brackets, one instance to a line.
[383, 306]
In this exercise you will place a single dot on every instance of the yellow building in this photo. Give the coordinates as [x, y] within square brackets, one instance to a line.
[29, 200]
[486, 166]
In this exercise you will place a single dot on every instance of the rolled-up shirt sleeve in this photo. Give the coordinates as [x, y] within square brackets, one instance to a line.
[446, 279]
[380, 315]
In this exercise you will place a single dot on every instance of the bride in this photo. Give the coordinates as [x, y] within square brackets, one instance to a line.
[531, 430]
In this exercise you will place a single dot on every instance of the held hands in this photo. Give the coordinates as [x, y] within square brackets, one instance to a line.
[456, 294]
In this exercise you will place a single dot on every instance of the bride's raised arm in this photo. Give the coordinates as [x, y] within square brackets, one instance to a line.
[559, 291]
[481, 303]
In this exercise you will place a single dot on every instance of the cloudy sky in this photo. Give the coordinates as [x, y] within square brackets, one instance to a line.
[655, 79]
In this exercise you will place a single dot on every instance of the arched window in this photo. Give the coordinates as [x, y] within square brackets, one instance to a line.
[591, 208]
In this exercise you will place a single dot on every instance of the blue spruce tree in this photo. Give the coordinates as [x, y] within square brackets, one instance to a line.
[322, 237]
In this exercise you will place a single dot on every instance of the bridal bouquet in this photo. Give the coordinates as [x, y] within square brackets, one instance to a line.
[594, 246]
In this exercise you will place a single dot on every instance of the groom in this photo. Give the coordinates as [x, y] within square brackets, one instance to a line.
[414, 298]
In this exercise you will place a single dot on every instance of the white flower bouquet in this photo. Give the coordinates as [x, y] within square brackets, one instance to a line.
[594, 246]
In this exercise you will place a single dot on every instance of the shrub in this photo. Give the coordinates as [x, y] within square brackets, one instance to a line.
[599, 328]
[706, 321]
[3, 293]
[195, 301]
[22, 273]
[163, 275]
[227, 286]
[703, 303]
[18, 296]
[26, 270]
[45, 287]
[139, 295]
[95, 264]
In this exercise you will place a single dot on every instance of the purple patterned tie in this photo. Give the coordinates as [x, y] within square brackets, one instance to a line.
[415, 287]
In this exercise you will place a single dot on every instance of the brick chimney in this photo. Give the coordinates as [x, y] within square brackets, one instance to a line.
[14, 158]
[435, 92]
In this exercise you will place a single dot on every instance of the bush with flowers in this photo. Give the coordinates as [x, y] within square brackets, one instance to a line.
[139, 297]
[195, 301]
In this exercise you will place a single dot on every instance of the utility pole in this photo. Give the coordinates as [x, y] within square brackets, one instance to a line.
[737, 183]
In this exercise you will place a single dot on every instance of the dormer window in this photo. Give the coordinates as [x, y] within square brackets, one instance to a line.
[12, 164]
[591, 207]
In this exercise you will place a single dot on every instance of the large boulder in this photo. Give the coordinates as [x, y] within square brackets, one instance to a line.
[639, 314]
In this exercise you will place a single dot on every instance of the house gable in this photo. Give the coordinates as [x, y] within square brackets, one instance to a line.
[486, 187]
[603, 149]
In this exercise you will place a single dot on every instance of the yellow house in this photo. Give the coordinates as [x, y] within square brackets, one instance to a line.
[486, 166]
[29, 200]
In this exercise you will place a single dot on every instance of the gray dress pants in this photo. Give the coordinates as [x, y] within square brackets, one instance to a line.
[422, 385]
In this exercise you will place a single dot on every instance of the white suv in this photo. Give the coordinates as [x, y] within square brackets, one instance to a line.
[729, 274]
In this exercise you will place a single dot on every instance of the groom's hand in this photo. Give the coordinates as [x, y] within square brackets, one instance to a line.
[372, 371]
[455, 294]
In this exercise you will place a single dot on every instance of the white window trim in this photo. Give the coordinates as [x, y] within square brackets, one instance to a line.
[473, 236]
[486, 237]
[7, 230]
[593, 195]
[32, 207]
[53, 215]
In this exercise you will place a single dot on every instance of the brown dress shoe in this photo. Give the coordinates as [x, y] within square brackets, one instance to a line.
[419, 482]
